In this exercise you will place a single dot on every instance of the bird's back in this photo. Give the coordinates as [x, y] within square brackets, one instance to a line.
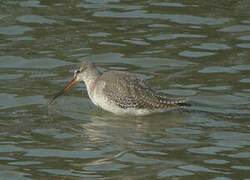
[129, 92]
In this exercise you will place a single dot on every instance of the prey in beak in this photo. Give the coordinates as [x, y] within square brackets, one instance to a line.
[72, 83]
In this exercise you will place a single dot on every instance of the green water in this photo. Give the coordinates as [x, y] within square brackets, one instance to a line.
[198, 49]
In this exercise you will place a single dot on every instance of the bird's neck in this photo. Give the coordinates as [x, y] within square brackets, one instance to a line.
[93, 75]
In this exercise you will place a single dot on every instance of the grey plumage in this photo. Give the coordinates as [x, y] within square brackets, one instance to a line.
[128, 91]
[120, 92]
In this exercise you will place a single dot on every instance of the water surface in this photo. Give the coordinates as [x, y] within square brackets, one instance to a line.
[196, 49]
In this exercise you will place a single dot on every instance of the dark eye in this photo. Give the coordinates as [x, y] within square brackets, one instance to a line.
[78, 71]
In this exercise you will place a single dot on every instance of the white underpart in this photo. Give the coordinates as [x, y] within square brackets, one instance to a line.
[102, 96]
[100, 100]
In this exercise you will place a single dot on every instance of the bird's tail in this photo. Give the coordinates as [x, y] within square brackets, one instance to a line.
[178, 101]
[175, 102]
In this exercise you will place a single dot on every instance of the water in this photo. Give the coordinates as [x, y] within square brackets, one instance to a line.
[196, 49]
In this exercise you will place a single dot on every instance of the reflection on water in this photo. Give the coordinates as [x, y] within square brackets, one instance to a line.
[197, 49]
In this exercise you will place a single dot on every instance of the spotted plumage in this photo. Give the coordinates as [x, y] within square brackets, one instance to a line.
[128, 91]
[123, 93]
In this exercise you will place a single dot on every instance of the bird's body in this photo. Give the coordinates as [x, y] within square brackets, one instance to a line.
[122, 93]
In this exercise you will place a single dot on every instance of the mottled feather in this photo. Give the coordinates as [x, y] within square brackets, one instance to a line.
[121, 93]
[128, 91]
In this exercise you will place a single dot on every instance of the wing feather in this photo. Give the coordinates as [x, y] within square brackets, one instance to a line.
[128, 91]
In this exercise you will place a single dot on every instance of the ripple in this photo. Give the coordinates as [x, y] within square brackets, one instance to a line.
[245, 80]
[10, 148]
[189, 86]
[188, 19]
[195, 54]
[151, 63]
[35, 19]
[246, 21]
[216, 88]
[217, 69]
[247, 168]
[180, 92]
[15, 30]
[25, 38]
[77, 141]
[245, 155]
[233, 143]
[244, 38]
[50, 131]
[212, 150]
[216, 161]
[53, 132]
[168, 4]
[222, 110]
[181, 19]
[221, 178]
[79, 20]
[3, 16]
[183, 131]
[11, 61]
[7, 159]
[137, 42]
[11, 100]
[112, 44]
[40, 75]
[106, 167]
[20, 62]
[242, 94]
[212, 46]
[173, 172]
[222, 100]
[158, 25]
[102, 6]
[64, 153]
[175, 36]
[99, 34]
[244, 45]
[10, 76]
[235, 28]
[67, 105]
[152, 52]
[231, 139]
[132, 158]
[68, 173]
[195, 27]
[197, 169]
[231, 136]
[65, 136]
[102, 1]
[176, 141]
[32, 3]
[151, 152]
[8, 174]
[25, 163]
[241, 67]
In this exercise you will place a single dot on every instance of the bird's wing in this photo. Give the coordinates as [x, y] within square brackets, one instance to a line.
[128, 91]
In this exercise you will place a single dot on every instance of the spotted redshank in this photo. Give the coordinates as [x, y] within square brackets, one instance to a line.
[121, 93]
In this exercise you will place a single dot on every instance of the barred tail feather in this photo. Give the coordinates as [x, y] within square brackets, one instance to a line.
[179, 101]
[176, 101]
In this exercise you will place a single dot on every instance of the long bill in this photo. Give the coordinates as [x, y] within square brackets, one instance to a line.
[74, 81]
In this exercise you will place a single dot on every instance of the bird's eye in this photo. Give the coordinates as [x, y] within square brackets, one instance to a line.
[77, 71]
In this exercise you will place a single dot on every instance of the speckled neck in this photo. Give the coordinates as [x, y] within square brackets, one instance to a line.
[92, 74]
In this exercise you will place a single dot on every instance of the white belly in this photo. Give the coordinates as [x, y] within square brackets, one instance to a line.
[100, 100]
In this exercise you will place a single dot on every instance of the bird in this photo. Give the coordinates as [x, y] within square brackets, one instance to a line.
[121, 93]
